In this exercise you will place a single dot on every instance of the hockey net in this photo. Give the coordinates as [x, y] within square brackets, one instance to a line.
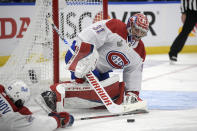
[38, 60]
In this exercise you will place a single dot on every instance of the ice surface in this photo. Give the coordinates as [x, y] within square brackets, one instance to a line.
[171, 91]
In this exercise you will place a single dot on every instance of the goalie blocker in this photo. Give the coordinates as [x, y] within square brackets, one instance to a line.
[81, 95]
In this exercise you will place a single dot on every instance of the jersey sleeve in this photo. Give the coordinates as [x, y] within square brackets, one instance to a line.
[41, 123]
[99, 33]
[133, 78]
[18, 122]
[140, 49]
[118, 27]
[95, 34]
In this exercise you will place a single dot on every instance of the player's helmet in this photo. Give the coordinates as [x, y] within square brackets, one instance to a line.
[138, 26]
[18, 92]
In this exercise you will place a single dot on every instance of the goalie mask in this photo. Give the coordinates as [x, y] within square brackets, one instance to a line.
[18, 92]
[137, 26]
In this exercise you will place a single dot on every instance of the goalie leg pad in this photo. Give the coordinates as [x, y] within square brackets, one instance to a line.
[89, 99]
[83, 96]
[114, 90]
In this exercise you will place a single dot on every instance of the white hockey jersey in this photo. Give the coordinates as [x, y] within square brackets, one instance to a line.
[14, 119]
[110, 39]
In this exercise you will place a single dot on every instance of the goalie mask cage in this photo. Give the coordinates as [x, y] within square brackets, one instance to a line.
[37, 58]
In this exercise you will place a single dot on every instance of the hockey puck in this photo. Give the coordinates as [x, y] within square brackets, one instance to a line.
[130, 120]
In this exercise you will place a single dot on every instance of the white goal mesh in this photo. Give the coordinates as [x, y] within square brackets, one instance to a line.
[32, 61]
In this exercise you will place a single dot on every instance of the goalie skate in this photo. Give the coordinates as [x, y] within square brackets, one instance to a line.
[133, 101]
[47, 100]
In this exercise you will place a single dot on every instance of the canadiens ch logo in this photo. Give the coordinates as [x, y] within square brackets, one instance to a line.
[117, 59]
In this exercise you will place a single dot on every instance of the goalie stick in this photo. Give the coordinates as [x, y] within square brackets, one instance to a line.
[113, 115]
[47, 110]
[98, 88]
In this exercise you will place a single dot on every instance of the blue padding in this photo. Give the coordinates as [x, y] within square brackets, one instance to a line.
[69, 54]
[170, 100]
[73, 75]
[91, 50]
[101, 76]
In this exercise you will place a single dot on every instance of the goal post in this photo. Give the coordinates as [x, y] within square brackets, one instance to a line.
[38, 59]
[55, 14]
[105, 9]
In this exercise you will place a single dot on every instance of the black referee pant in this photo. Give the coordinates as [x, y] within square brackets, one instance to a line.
[179, 42]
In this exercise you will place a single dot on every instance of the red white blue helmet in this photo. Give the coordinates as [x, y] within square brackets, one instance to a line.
[138, 21]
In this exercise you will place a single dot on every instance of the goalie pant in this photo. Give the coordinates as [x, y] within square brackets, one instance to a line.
[14, 119]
